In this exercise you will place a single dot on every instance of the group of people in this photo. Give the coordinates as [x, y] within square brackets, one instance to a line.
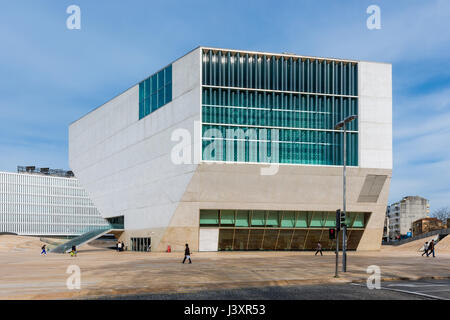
[73, 251]
[120, 246]
[428, 248]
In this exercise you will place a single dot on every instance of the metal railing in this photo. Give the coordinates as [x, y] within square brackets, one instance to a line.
[440, 232]
[85, 238]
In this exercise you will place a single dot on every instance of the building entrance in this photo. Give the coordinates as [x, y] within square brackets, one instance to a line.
[141, 244]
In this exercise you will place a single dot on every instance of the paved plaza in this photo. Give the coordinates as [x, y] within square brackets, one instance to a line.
[27, 275]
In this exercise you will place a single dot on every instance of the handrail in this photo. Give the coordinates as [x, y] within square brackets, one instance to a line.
[418, 237]
[85, 238]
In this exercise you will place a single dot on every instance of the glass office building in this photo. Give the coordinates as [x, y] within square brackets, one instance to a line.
[45, 202]
[185, 152]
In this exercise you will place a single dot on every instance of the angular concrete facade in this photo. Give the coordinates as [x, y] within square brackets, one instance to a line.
[127, 165]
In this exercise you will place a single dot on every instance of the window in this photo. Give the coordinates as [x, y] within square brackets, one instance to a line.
[296, 121]
[209, 218]
[155, 91]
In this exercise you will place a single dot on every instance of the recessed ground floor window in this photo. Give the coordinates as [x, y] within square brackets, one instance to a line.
[282, 239]
[141, 244]
[280, 230]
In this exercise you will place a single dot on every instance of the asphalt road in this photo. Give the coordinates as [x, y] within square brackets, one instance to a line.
[399, 290]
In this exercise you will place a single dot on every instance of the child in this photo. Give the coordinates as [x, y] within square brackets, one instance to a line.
[43, 252]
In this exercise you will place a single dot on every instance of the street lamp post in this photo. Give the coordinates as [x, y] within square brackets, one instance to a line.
[339, 125]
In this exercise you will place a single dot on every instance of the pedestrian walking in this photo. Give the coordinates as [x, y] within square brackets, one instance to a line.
[425, 248]
[319, 249]
[73, 252]
[44, 251]
[187, 254]
[431, 248]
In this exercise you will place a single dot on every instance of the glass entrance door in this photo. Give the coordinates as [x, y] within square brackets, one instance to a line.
[141, 244]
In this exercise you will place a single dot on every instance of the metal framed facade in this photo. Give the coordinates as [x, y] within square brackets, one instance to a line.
[33, 204]
[264, 108]
[155, 91]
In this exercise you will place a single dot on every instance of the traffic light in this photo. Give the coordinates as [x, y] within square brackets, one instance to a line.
[342, 218]
[331, 234]
[338, 219]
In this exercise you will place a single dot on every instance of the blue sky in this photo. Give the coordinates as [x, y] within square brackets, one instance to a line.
[51, 76]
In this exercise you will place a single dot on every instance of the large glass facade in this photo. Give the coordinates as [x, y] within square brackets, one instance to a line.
[155, 91]
[32, 204]
[280, 230]
[277, 109]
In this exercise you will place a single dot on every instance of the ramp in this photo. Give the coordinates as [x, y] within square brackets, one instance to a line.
[437, 235]
[83, 239]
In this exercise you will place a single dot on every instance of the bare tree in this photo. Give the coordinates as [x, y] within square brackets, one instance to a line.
[442, 214]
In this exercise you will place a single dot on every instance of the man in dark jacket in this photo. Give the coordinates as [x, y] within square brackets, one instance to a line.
[431, 248]
[187, 254]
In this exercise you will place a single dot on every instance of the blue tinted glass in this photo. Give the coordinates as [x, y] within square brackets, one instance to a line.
[146, 106]
[321, 145]
[160, 79]
[168, 74]
[154, 83]
[155, 91]
[141, 109]
[147, 88]
[168, 93]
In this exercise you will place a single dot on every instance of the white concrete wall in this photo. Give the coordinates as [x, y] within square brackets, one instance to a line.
[208, 239]
[375, 115]
[125, 163]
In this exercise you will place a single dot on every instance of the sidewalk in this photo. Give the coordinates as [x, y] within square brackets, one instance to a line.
[27, 275]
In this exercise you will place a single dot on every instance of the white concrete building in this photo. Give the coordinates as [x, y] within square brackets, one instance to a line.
[45, 202]
[236, 150]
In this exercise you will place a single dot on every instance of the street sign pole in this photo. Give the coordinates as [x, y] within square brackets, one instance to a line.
[344, 231]
[338, 224]
[339, 125]
[336, 272]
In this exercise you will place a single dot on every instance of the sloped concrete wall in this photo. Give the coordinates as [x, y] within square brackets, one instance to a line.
[125, 163]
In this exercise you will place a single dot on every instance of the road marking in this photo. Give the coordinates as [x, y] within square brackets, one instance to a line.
[416, 285]
[440, 290]
[405, 291]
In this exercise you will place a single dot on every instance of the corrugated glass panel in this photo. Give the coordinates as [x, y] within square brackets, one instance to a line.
[302, 220]
[316, 219]
[288, 220]
[242, 218]
[209, 217]
[273, 219]
[227, 217]
[303, 115]
[258, 218]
